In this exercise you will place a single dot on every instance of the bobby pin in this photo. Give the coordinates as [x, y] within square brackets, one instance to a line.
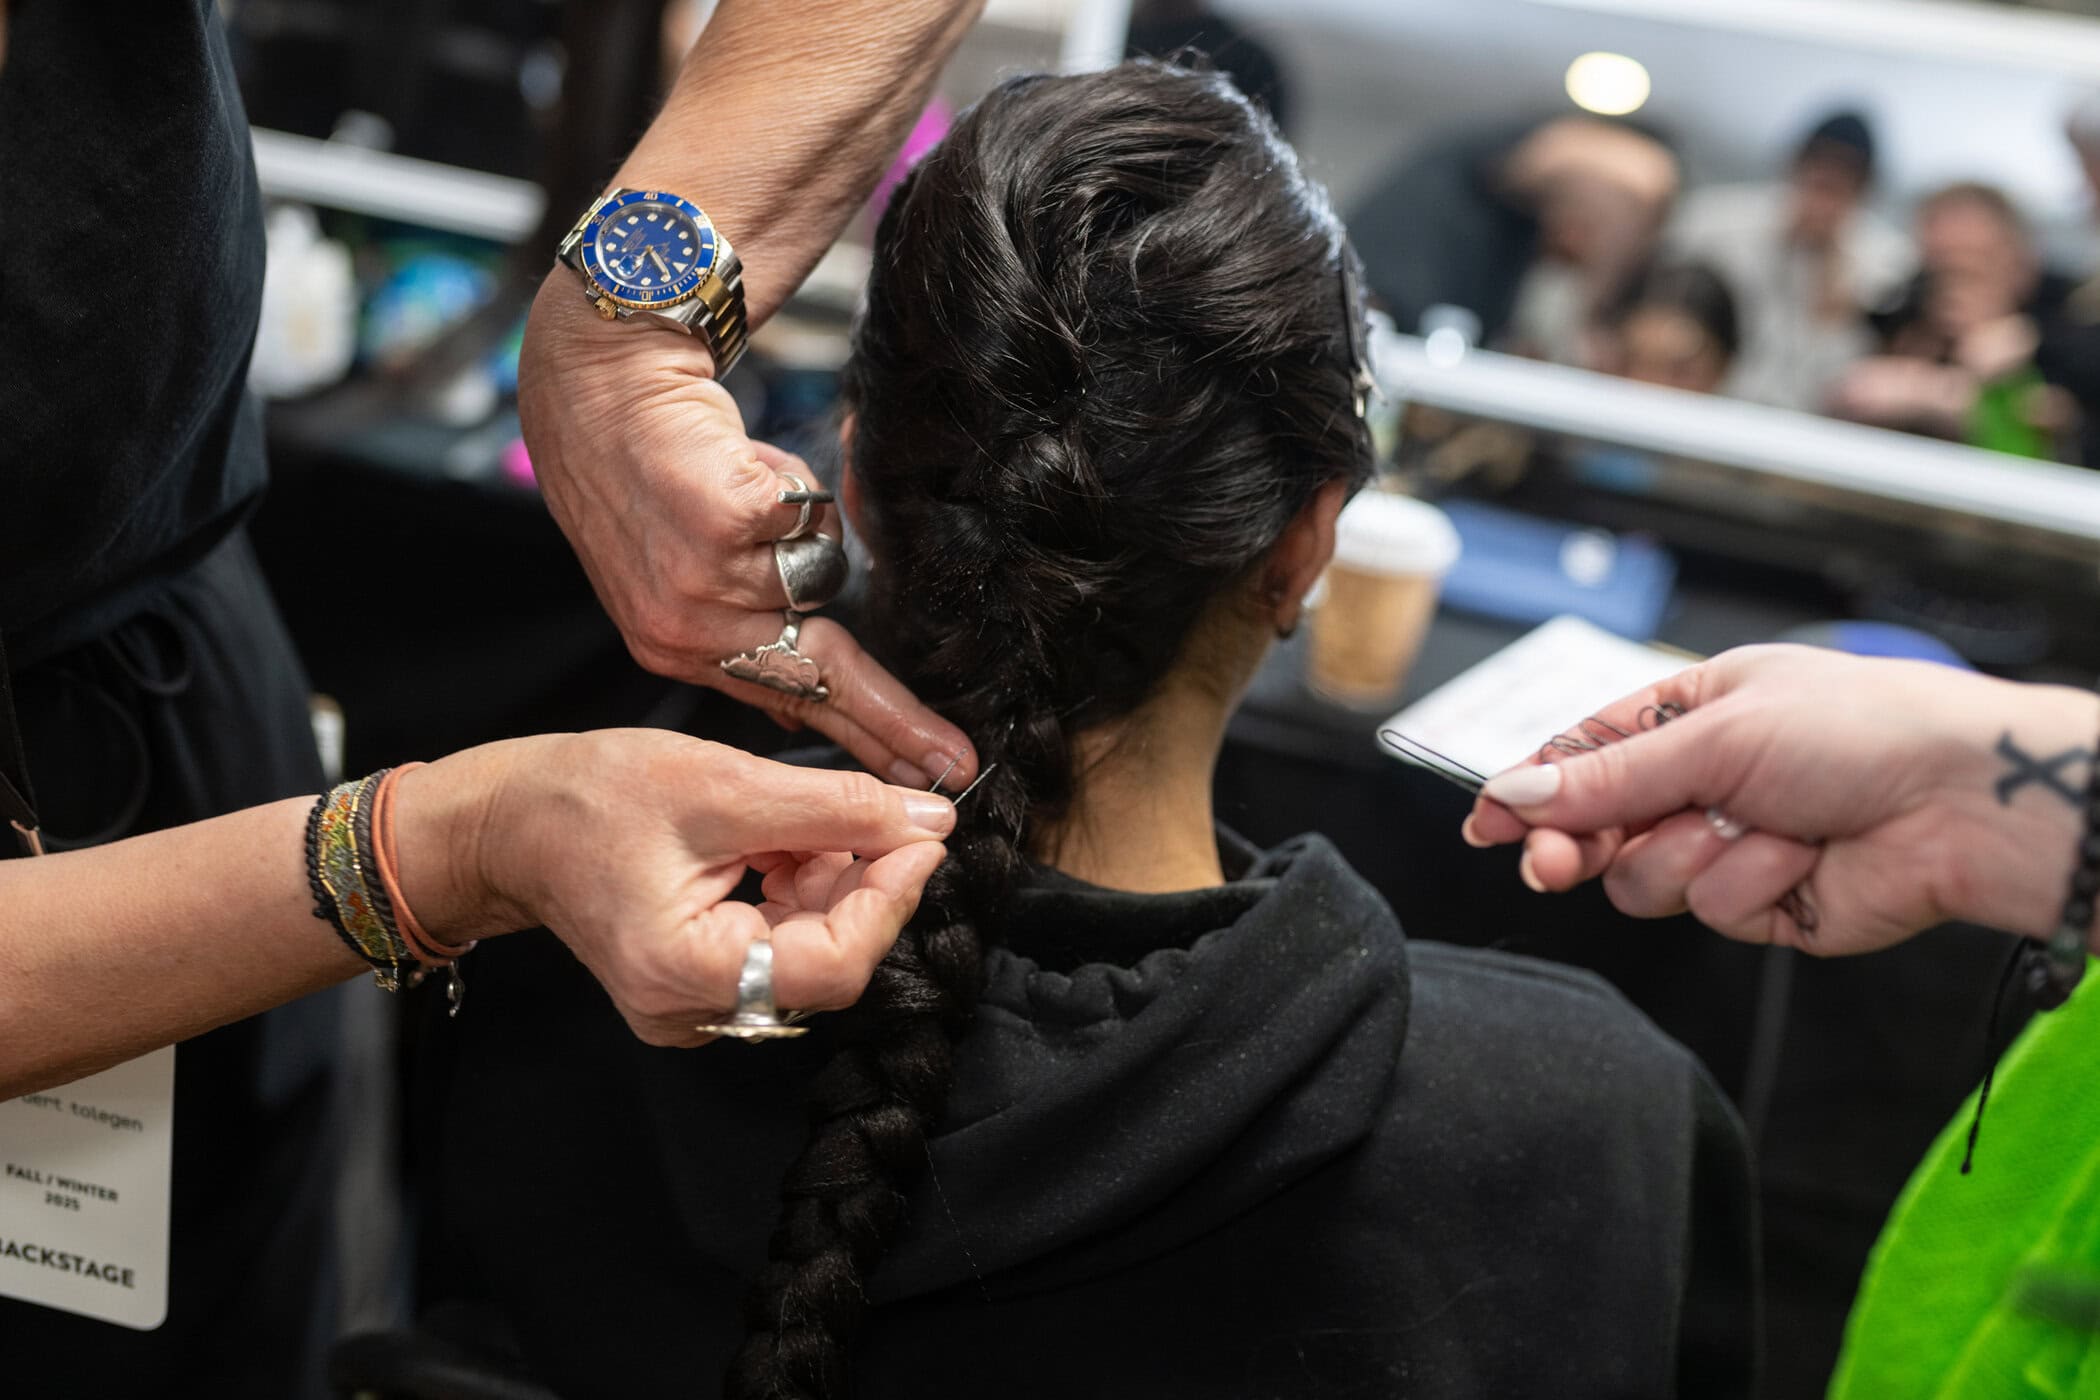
[1444, 766]
[973, 786]
[966, 791]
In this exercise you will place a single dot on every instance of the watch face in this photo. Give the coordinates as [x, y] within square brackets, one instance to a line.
[648, 248]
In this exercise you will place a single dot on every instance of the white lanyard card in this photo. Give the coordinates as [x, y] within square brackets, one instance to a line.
[85, 1172]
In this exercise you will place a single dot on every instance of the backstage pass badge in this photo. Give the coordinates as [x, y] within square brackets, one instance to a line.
[84, 1178]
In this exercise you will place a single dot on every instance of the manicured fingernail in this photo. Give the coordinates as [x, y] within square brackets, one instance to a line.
[909, 775]
[1529, 876]
[930, 813]
[1524, 787]
[1472, 836]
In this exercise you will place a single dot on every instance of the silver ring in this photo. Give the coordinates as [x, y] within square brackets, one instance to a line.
[812, 570]
[807, 498]
[807, 503]
[1725, 826]
[756, 1017]
[780, 665]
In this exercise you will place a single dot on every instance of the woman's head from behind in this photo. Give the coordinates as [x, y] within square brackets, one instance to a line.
[1108, 360]
[1104, 401]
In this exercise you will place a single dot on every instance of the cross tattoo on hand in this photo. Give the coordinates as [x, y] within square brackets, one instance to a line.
[2046, 772]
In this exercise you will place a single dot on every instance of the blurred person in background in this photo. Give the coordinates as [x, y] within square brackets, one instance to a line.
[1805, 260]
[1676, 327]
[1958, 347]
[1180, 30]
[2067, 353]
[1463, 219]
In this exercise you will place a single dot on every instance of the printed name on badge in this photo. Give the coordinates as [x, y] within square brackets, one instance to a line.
[84, 1191]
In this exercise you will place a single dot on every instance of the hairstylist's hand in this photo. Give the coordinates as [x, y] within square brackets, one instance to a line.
[1879, 790]
[628, 843]
[673, 509]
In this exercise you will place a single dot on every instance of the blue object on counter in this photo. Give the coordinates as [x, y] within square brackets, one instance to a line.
[1524, 569]
[425, 294]
[1621, 469]
[1877, 639]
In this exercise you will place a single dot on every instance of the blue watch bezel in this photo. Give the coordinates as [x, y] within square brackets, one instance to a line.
[649, 298]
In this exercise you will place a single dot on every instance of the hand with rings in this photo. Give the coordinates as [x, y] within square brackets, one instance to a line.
[812, 571]
[630, 845]
[1825, 802]
[701, 541]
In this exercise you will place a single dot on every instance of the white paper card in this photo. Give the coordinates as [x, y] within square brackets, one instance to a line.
[84, 1178]
[1542, 684]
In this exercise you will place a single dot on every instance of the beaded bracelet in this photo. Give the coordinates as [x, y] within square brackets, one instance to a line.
[2052, 980]
[350, 869]
[336, 871]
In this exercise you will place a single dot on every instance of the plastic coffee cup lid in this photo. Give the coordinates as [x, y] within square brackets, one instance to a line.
[1380, 532]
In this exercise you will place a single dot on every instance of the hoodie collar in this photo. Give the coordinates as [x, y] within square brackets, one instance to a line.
[1143, 1067]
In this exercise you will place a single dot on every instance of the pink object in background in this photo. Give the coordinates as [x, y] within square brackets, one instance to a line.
[932, 125]
[517, 465]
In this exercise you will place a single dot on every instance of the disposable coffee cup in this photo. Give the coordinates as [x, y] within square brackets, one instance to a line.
[1390, 557]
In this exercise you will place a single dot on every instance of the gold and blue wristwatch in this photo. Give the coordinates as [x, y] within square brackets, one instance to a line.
[651, 253]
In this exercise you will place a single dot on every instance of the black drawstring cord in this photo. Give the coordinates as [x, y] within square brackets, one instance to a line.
[17, 795]
[2020, 953]
[144, 659]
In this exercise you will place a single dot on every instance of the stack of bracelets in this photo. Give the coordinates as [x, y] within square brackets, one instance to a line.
[351, 868]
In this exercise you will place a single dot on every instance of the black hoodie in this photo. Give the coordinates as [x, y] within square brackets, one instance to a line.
[1244, 1141]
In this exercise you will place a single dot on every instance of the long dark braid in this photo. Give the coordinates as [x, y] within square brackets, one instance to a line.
[1105, 361]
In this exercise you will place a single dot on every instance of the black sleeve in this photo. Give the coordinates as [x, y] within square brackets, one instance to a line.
[129, 292]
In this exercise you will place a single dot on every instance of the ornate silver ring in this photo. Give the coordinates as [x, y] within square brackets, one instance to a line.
[780, 665]
[756, 1018]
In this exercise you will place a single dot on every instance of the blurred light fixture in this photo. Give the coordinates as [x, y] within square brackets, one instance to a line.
[1444, 347]
[1609, 84]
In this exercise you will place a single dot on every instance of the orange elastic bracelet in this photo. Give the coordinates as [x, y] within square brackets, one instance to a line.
[429, 952]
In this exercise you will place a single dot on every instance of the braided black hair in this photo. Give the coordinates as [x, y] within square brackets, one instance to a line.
[1108, 356]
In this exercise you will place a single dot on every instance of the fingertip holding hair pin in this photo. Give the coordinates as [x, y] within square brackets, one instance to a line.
[756, 1016]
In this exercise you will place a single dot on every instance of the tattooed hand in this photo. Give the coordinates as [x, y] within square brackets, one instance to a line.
[1817, 800]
